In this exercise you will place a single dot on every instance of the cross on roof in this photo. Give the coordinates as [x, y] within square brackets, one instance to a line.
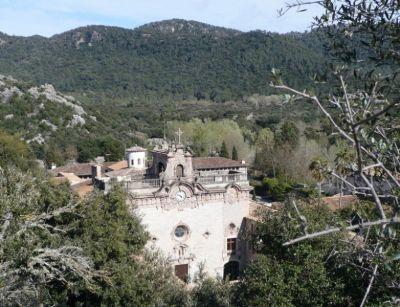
[179, 134]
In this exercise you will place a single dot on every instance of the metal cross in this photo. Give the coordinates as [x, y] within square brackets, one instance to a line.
[179, 134]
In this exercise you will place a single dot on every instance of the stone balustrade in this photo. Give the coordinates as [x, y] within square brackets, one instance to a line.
[138, 183]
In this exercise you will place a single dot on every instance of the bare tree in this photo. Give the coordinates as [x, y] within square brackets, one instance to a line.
[363, 39]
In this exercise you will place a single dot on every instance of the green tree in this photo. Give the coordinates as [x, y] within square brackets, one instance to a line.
[140, 278]
[265, 156]
[39, 263]
[234, 153]
[112, 149]
[15, 152]
[299, 275]
[289, 134]
[263, 284]
[59, 250]
[223, 152]
[212, 292]
[318, 170]
[53, 155]
[277, 188]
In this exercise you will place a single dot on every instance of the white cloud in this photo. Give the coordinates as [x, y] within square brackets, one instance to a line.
[47, 17]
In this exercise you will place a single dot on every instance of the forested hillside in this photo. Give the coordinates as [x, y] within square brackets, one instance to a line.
[56, 126]
[132, 84]
[177, 59]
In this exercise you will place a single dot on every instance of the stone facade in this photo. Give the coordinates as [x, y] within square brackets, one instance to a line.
[193, 208]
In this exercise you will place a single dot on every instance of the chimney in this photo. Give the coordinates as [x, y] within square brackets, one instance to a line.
[96, 171]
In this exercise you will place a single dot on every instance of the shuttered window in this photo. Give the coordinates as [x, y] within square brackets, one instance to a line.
[231, 245]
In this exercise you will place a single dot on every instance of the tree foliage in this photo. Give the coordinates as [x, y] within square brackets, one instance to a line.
[198, 60]
[234, 153]
[362, 110]
[15, 152]
[317, 272]
[223, 152]
[56, 249]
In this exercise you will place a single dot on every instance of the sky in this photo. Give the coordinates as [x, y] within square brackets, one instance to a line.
[49, 17]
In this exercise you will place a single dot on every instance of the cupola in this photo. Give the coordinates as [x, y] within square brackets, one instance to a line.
[136, 157]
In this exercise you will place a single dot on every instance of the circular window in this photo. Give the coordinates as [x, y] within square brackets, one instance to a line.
[180, 231]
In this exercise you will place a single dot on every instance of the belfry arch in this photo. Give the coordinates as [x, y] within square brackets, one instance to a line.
[160, 167]
[179, 171]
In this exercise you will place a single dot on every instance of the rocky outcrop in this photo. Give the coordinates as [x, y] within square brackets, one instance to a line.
[76, 120]
[41, 112]
[8, 92]
[50, 93]
[46, 122]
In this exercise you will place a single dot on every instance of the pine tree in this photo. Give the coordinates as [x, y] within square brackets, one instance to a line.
[234, 153]
[224, 151]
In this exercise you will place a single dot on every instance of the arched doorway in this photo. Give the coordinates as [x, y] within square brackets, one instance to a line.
[231, 270]
[179, 171]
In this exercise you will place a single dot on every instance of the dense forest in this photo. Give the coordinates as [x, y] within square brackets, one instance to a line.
[175, 59]
[135, 83]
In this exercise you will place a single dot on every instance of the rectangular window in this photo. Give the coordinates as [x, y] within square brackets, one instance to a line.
[231, 245]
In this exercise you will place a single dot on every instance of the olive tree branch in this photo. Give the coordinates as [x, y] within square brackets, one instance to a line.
[339, 129]
[386, 221]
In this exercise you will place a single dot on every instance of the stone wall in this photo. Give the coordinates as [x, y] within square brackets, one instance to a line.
[210, 221]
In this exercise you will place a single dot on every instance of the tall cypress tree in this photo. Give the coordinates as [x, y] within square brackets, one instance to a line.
[224, 151]
[234, 153]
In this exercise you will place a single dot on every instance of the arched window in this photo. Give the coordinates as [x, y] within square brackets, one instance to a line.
[132, 162]
[179, 171]
[138, 161]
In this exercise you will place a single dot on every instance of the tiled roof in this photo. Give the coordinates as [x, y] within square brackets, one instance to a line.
[79, 169]
[114, 166]
[124, 172]
[215, 163]
[83, 188]
[71, 177]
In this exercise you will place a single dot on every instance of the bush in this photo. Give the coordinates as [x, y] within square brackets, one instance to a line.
[277, 188]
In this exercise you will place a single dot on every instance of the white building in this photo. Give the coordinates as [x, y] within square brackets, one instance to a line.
[193, 208]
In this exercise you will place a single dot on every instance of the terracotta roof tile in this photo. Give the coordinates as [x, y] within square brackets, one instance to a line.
[117, 165]
[124, 172]
[72, 178]
[79, 169]
[83, 188]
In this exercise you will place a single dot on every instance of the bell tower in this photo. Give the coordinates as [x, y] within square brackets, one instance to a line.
[136, 157]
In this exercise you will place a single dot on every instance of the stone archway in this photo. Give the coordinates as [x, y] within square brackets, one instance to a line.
[231, 270]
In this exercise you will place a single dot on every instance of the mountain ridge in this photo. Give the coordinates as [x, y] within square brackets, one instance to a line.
[174, 59]
[162, 25]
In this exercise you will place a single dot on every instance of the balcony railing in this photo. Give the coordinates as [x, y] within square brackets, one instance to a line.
[139, 183]
[143, 184]
[215, 179]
